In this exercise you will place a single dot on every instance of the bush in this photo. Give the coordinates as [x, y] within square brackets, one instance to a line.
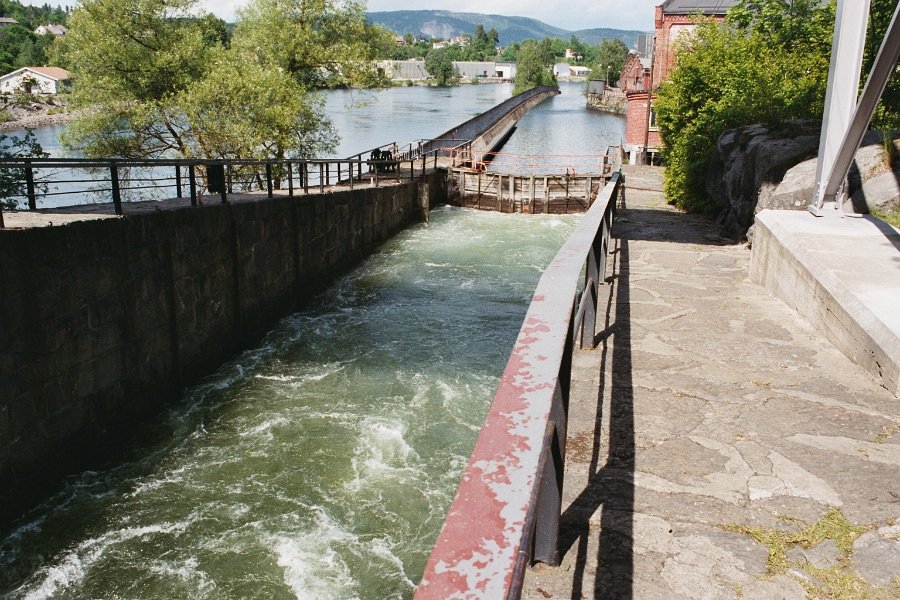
[755, 68]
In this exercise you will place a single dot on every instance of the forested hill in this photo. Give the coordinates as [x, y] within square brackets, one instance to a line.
[445, 24]
[31, 17]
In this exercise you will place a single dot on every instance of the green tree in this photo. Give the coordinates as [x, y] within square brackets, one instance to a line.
[609, 60]
[887, 116]
[160, 82]
[321, 43]
[533, 68]
[12, 181]
[768, 63]
[439, 64]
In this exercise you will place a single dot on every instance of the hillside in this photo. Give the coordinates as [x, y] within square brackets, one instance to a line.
[445, 24]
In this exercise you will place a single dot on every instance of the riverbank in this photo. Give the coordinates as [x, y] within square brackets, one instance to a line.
[36, 111]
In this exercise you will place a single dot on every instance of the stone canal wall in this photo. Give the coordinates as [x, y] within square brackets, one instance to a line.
[102, 322]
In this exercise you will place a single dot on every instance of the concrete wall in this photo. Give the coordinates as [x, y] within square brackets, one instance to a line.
[841, 276]
[103, 322]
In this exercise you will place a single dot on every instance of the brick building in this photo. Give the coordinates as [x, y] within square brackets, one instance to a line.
[673, 19]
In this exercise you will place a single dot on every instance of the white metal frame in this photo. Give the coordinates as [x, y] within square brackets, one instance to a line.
[845, 120]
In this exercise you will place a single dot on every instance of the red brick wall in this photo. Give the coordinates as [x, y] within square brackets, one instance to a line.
[632, 79]
[636, 124]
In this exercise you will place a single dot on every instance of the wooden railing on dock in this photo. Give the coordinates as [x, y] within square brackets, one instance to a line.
[512, 193]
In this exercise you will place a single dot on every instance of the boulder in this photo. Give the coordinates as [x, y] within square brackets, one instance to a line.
[758, 167]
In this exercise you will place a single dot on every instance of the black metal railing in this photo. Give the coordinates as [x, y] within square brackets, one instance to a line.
[61, 182]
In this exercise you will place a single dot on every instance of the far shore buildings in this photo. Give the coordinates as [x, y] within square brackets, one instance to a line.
[414, 70]
[673, 19]
[34, 80]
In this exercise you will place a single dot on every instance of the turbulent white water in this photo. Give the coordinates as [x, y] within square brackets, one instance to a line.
[320, 464]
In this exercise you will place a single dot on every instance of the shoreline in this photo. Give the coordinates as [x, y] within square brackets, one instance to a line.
[39, 120]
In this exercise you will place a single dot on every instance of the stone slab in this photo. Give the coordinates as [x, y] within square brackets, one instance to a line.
[711, 409]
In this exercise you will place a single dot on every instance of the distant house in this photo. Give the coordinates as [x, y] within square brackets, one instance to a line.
[635, 74]
[54, 29]
[35, 80]
[578, 71]
[674, 18]
[485, 69]
[4, 21]
[561, 69]
[439, 45]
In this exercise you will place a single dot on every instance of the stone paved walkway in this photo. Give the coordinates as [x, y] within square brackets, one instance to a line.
[719, 447]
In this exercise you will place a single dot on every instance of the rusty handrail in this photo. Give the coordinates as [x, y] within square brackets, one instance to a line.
[507, 508]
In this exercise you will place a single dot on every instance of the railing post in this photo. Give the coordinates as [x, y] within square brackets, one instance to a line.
[290, 179]
[350, 172]
[228, 181]
[588, 323]
[29, 186]
[178, 181]
[116, 194]
[321, 180]
[192, 180]
[223, 190]
[327, 174]
[2, 225]
[305, 176]
[269, 178]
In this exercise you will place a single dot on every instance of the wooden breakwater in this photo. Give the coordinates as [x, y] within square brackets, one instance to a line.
[512, 193]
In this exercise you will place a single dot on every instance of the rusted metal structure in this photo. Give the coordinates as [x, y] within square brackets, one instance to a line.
[507, 508]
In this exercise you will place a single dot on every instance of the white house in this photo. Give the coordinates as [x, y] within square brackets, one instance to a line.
[561, 69]
[578, 71]
[35, 80]
[56, 30]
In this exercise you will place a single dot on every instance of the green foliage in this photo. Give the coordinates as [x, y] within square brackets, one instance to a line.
[31, 17]
[439, 64]
[533, 67]
[12, 181]
[768, 63]
[609, 60]
[19, 45]
[321, 43]
[163, 78]
[887, 115]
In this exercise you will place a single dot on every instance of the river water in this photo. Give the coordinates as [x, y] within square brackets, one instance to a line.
[321, 463]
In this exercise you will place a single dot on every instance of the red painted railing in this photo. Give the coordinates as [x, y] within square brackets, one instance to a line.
[506, 512]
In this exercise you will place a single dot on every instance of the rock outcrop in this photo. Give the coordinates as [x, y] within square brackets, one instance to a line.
[757, 167]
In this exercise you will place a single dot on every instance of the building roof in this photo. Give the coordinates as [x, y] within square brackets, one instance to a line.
[690, 7]
[50, 72]
[52, 28]
[8, 21]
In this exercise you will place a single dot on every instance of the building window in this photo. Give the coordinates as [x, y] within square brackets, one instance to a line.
[652, 124]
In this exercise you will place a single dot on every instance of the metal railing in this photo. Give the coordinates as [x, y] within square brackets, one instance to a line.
[507, 508]
[75, 182]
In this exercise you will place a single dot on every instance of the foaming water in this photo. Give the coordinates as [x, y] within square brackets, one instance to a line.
[321, 463]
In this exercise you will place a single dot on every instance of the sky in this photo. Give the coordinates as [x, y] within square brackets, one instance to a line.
[570, 14]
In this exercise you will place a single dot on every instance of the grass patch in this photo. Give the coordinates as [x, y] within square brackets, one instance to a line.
[887, 431]
[891, 217]
[839, 582]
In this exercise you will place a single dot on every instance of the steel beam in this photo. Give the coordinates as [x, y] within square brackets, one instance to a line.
[847, 49]
[884, 67]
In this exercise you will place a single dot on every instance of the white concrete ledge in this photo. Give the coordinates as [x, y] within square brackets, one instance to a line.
[843, 276]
